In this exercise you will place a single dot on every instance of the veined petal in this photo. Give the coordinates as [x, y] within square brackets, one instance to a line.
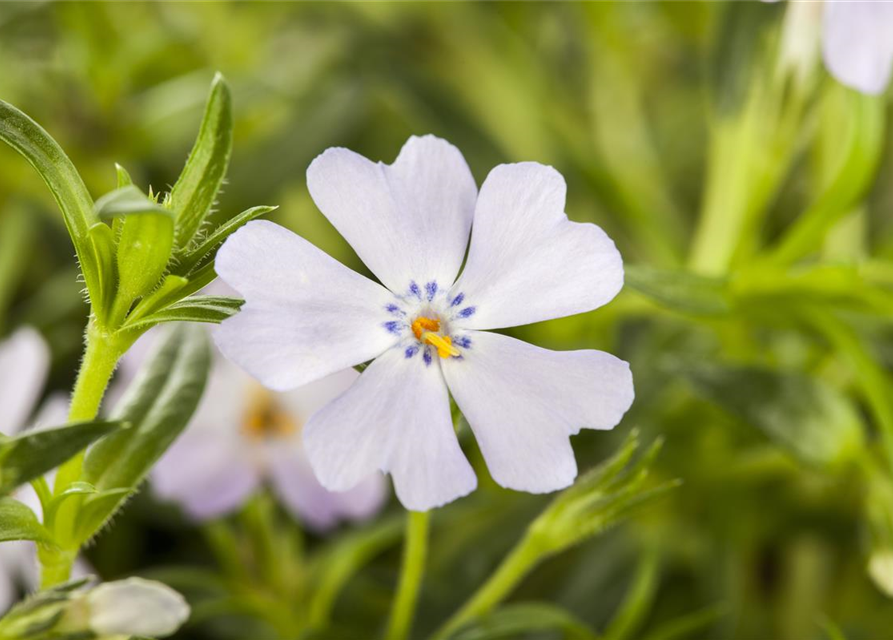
[310, 502]
[396, 419]
[306, 315]
[857, 44]
[24, 361]
[523, 404]
[527, 262]
[406, 221]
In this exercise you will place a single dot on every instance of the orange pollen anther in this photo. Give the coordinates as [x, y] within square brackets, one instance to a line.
[422, 324]
[266, 418]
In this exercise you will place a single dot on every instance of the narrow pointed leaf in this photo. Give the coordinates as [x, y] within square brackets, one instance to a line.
[193, 195]
[57, 171]
[33, 453]
[158, 404]
[205, 309]
[221, 233]
[18, 522]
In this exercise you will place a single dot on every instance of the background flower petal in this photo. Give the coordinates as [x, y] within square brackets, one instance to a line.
[407, 221]
[24, 361]
[527, 262]
[523, 404]
[395, 418]
[857, 44]
[306, 315]
[311, 503]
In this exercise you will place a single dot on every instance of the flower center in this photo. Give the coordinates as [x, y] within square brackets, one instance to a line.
[427, 331]
[265, 417]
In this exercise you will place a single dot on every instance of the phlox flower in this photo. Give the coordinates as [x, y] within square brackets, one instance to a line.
[855, 37]
[427, 332]
[243, 435]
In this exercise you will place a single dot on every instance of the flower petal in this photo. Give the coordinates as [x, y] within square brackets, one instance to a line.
[527, 262]
[395, 418]
[856, 44]
[24, 361]
[207, 476]
[305, 316]
[311, 503]
[406, 221]
[523, 403]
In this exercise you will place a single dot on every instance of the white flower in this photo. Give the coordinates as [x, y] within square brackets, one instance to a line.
[24, 360]
[307, 316]
[243, 434]
[135, 607]
[857, 43]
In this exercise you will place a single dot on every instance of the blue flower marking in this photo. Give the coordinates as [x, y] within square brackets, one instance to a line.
[414, 290]
[392, 326]
[467, 312]
[457, 300]
[431, 290]
[427, 356]
[411, 350]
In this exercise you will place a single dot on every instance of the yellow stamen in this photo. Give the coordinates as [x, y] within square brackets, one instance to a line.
[422, 324]
[265, 417]
[444, 344]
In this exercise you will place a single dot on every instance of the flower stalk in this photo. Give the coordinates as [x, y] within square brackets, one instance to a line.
[415, 552]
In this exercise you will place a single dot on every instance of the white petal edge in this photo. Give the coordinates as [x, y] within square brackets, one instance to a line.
[857, 45]
[394, 419]
[523, 403]
[24, 361]
[528, 262]
[406, 221]
[305, 315]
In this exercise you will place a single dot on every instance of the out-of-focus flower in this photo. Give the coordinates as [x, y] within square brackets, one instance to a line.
[242, 435]
[307, 316]
[135, 607]
[856, 43]
[24, 360]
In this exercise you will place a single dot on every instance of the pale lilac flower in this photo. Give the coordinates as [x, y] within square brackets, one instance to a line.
[24, 361]
[856, 40]
[242, 435]
[307, 316]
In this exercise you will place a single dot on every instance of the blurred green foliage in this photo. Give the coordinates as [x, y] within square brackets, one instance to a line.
[749, 204]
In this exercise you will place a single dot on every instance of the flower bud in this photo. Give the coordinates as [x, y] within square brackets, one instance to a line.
[135, 607]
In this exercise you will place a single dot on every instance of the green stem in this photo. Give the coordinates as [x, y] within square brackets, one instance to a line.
[415, 550]
[516, 565]
[101, 355]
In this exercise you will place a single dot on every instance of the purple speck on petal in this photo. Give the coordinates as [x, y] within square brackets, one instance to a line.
[457, 300]
[414, 290]
[393, 326]
[431, 290]
[467, 312]
[427, 357]
[411, 350]
[392, 308]
[463, 342]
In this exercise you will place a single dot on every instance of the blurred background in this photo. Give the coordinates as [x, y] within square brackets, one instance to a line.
[744, 187]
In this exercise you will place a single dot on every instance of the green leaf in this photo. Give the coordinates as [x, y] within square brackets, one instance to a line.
[516, 620]
[861, 119]
[169, 292]
[144, 245]
[124, 179]
[221, 233]
[18, 522]
[102, 239]
[802, 414]
[33, 453]
[680, 291]
[57, 171]
[158, 404]
[206, 309]
[193, 195]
